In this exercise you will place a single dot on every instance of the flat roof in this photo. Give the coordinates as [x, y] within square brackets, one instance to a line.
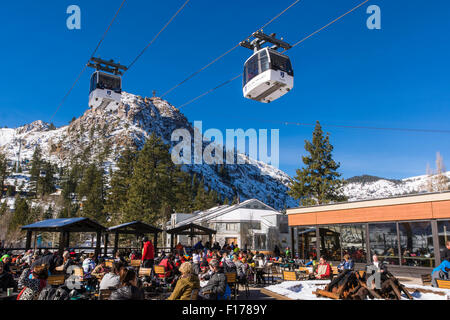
[407, 199]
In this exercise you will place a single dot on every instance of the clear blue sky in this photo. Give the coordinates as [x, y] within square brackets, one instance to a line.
[394, 77]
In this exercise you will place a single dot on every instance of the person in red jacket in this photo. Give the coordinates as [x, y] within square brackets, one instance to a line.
[148, 253]
[323, 270]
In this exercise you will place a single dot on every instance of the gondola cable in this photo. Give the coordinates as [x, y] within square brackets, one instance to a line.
[158, 34]
[228, 51]
[297, 43]
[86, 65]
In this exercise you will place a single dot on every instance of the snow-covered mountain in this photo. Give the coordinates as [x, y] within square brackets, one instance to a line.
[131, 123]
[369, 187]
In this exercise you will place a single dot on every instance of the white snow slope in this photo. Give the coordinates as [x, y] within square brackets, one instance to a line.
[131, 123]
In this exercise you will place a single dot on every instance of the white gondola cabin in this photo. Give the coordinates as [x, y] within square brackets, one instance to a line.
[268, 75]
[104, 89]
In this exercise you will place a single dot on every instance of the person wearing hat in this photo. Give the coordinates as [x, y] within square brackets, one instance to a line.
[148, 253]
[217, 284]
[32, 287]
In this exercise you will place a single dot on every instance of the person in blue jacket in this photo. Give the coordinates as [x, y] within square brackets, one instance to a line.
[440, 272]
[347, 264]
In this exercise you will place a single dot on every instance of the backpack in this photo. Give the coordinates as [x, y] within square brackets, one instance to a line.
[61, 294]
[47, 293]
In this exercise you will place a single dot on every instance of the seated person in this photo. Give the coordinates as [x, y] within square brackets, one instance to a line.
[311, 262]
[100, 269]
[89, 264]
[440, 272]
[323, 270]
[170, 269]
[347, 264]
[217, 284]
[128, 289]
[6, 279]
[186, 284]
[112, 278]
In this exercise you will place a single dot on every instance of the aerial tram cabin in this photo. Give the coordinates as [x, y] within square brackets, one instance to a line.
[268, 74]
[105, 84]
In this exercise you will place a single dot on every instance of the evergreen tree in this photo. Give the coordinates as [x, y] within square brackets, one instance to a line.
[46, 183]
[151, 184]
[91, 193]
[21, 215]
[48, 214]
[3, 172]
[120, 184]
[36, 163]
[201, 200]
[318, 182]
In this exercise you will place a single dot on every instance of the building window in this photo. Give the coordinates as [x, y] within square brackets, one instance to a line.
[306, 239]
[330, 247]
[260, 242]
[443, 234]
[416, 241]
[384, 241]
[353, 242]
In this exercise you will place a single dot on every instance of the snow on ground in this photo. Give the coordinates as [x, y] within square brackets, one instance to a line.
[299, 290]
[303, 290]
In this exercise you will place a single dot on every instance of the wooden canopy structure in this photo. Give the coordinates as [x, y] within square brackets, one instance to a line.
[64, 227]
[191, 230]
[137, 228]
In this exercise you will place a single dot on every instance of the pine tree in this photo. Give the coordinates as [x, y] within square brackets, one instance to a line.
[151, 184]
[202, 200]
[36, 163]
[46, 183]
[21, 215]
[3, 172]
[318, 182]
[91, 193]
[48, 214]
[120, 183]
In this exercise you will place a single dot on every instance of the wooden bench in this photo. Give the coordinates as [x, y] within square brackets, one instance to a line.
[145, 272]
[135, 263]
[289, 276]
[56, 280]
[232, 282]
[426, 279]
[443, 284]
[334, 270]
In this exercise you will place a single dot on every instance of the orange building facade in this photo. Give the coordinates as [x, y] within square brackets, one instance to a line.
[406, 231]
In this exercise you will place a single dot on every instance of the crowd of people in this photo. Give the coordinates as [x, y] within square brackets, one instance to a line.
[196, 272]
[190, 273]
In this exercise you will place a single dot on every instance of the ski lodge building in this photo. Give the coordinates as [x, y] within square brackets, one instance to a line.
[251, 223]
[407, 232]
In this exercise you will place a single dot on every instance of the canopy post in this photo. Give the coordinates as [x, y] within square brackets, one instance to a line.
[105, 252]
[28, 241]
[98, 243]
[61, 243]
[67, 239]
[155, 242]
[116, 242]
